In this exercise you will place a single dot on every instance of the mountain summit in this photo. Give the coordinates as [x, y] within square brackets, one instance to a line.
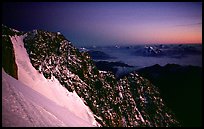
[48, 57]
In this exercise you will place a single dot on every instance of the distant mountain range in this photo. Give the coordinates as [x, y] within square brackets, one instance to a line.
[99, 55]
[171, 51]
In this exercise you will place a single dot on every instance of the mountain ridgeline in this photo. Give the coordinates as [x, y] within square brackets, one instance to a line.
[131, 101]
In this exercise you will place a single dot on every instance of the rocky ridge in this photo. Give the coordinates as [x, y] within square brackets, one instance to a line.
[130, 102]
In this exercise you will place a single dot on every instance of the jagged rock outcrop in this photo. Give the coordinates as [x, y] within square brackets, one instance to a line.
[131, 101]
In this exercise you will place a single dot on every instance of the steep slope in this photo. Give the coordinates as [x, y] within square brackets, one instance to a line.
[48, 88]
[131, 101]
[23, 106]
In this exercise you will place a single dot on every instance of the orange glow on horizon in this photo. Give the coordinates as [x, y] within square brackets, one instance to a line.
[188, 35]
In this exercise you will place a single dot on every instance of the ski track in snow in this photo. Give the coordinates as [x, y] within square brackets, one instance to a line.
[38, 101]
[24, 100]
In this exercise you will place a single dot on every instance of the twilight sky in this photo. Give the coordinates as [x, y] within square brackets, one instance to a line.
[110, 23]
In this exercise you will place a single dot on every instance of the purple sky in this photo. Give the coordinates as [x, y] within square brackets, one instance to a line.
[110, 23]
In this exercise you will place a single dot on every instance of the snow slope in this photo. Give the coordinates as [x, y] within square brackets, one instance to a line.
[23, 106]
[41, 96]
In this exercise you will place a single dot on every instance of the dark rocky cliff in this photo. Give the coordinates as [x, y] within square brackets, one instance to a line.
[8, 55]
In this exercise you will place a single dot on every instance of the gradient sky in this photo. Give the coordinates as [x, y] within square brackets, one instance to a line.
[110, 23]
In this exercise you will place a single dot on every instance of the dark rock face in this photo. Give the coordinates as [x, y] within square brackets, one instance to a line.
[8, 55]
[8, 31]
[147, 101]
[130, 102]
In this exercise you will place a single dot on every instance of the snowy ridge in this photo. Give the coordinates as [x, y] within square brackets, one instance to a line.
[50, 65]
[51, 89]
